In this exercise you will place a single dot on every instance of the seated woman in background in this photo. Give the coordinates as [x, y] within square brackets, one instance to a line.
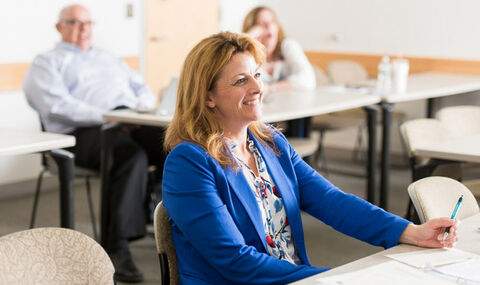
[234, 187]
[286, 65]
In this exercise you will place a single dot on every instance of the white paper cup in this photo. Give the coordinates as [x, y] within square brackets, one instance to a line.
[400, 69]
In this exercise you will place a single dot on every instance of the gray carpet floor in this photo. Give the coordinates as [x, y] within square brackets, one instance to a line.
[326, 247]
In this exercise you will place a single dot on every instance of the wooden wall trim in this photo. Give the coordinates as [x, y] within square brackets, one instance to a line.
[12, 74]
[417, 64]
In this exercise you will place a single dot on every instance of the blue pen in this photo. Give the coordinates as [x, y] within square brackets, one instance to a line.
[453, 216]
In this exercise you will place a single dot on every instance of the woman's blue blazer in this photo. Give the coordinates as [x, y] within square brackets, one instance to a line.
[217, 227]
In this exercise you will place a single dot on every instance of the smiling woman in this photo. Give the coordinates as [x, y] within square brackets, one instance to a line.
[218, 85]
[236, 96]
[245, 186]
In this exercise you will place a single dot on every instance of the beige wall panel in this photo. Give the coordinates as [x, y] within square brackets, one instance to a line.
[173, 27]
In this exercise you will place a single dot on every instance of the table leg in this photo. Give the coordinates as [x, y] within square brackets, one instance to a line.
[430, 105]
[66, 168]
[387, 109]
[371, 113]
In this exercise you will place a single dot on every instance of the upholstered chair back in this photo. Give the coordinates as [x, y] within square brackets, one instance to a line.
[53, 256]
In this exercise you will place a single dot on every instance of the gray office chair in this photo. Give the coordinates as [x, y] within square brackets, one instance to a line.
[165, 247]
[49, 165]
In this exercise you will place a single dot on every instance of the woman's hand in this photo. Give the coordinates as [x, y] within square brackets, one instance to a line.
[430, 234]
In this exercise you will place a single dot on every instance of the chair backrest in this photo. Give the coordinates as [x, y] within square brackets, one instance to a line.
[422, 132]
[461, 120]
[53, 256]
[436, 196]
[346, 72]
[165, 248]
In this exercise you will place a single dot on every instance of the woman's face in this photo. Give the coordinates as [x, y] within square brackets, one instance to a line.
[237, 94]
[269, 37]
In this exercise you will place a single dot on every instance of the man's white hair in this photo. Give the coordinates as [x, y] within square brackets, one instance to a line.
[65, 10]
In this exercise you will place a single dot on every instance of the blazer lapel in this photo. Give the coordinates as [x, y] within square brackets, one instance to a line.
[242, 189]
[289, 199]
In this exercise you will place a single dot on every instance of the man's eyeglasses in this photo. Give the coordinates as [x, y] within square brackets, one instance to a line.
[78, 23]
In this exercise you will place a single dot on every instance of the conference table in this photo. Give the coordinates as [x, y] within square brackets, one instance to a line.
[429, 85]
[465, 149]
[468, 240]
[14, 142]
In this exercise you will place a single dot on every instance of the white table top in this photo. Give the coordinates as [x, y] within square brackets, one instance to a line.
[468, 240]
[23, 142]
[277, 107]
[465, 149]
[434, 84]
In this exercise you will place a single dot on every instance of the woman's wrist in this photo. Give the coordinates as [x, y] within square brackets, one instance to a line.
[409, 235]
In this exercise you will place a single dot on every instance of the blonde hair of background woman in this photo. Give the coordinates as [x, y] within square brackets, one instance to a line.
[251, 20]
[195, 122]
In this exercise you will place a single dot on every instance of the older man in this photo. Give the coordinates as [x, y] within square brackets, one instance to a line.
[71, 87]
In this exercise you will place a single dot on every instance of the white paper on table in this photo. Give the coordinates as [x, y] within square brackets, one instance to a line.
[467, 270]
[430, 258]
[390, 272]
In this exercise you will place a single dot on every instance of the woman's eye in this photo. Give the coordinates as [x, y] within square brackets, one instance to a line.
[240, 81]
[257, 75]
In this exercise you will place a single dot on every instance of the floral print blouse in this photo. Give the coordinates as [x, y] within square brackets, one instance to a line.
[278, 234]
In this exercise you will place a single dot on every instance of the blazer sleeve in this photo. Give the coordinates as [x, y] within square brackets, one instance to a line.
[344, 212]
[189, 182]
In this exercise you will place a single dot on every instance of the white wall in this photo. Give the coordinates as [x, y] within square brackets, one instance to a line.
[437, 28]
[28, 27]
[232, 13]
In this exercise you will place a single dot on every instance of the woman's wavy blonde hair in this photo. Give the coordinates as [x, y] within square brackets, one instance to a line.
[251, 20]
[193, 121]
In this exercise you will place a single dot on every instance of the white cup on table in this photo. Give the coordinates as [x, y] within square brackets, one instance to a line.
[400, 69]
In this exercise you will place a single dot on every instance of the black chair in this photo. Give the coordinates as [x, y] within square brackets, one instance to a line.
[49, 165]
